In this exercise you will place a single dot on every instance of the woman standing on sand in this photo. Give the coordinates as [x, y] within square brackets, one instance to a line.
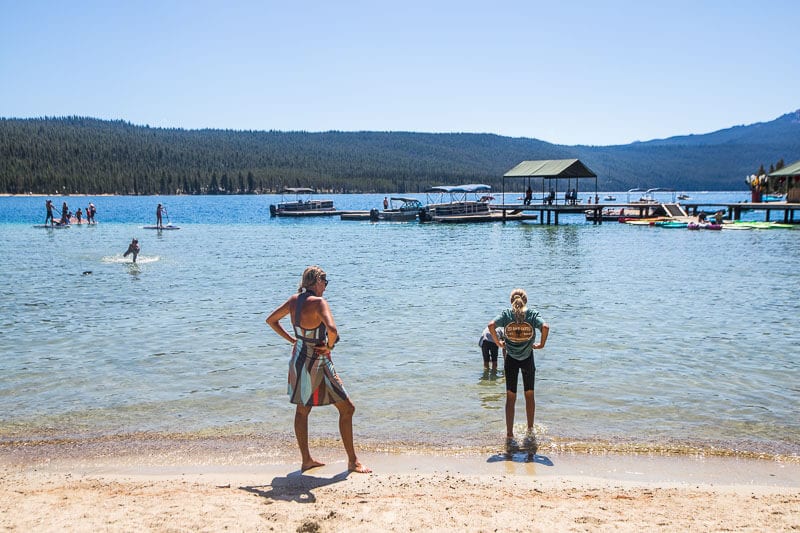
[312, 379]
[518, 342]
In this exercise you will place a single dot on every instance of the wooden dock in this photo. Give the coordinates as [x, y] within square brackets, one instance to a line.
[550, 213]
[733, 211]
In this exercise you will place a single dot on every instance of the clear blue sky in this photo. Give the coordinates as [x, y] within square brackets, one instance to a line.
[570, 72]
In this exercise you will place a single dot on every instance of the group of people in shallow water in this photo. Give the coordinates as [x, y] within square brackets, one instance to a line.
[67, 215]
[66, 218]
[313, 381]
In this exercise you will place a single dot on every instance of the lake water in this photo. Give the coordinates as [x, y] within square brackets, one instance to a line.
[659, 337]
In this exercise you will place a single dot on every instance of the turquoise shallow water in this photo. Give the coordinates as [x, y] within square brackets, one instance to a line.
[658, 336]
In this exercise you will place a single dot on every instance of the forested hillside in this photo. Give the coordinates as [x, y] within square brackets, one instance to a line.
[85, 155]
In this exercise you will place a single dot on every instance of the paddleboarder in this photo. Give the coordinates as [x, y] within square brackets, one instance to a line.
[159, 211]
[49, 206]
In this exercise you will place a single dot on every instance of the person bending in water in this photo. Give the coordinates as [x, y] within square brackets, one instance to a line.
[312, 378]
[518, 342]
[489, 348]
[133, 249]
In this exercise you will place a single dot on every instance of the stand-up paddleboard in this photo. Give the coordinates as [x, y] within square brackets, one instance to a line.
[167, 227]
[48, 226]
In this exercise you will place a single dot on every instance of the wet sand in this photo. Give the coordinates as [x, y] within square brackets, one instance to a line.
[211, 485]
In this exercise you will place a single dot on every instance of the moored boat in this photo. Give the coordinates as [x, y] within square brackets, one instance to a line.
[773, 198]
[303, 205]
[460, 208]
[401, 209]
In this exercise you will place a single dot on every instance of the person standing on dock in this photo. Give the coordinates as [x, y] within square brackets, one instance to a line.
[519, 325]
[312, 379]
[528, 195]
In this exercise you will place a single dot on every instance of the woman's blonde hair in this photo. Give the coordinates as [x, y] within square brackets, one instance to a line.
[519, 304]
[310, 277]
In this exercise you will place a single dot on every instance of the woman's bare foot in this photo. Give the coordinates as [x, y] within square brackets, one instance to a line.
[358, 467]
[311, 464]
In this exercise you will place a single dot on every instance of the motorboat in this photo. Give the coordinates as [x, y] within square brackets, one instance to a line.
[609, 198]
[452, 203]
[773, 198]
[401, 209]
[303, 204]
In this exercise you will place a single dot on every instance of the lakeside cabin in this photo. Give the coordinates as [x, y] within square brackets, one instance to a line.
[786, 181]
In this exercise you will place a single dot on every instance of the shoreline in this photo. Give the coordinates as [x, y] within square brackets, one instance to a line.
[155, 453]
[211, 485]
[279, 442]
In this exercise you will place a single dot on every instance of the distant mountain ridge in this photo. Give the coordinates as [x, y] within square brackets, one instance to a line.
[86, 155]
[761, 132]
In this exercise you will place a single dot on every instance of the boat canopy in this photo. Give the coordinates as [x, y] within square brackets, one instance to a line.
[298, 190]
[469, 188]
[648, 193]
[403, 199]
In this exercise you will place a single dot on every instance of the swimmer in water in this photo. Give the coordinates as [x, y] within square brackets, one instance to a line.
[133, 248]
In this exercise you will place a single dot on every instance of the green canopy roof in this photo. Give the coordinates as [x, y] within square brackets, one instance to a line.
[791, 170]
[551, 168]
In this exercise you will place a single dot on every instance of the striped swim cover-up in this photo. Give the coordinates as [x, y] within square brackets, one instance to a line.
[312, 379]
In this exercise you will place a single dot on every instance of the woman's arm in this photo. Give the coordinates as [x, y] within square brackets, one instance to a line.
[274, 321]
[330, 325]
[543, 337]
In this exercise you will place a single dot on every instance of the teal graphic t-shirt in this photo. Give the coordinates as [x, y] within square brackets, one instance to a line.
[520, 336]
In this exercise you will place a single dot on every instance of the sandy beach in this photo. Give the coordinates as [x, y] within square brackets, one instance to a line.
[214, 485]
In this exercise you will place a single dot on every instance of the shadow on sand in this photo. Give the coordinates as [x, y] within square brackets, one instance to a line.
[520, 457]
[295, 487]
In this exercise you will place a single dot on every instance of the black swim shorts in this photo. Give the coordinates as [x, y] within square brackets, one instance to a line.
[513, 367]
